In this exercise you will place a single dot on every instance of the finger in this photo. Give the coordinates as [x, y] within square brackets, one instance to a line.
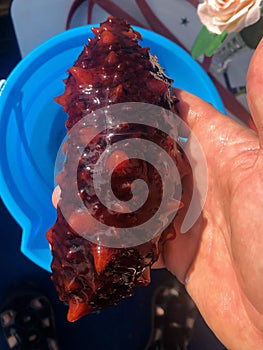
[179, 250]
[255, 89]
[196, 112]
[56, 196]
[159, 264]
[213, 129]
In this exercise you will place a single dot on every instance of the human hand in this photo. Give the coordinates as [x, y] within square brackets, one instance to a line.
[221, 257]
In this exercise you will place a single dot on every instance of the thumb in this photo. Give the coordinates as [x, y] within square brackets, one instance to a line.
[255, 89]
[215, 132]
[195, 111]
[211, 127]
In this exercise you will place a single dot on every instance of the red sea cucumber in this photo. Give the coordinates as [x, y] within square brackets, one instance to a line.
[111, 69]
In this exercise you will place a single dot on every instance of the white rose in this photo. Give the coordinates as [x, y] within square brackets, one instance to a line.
[228, 15]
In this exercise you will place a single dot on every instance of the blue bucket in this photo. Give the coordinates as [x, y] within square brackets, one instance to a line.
[32, 126]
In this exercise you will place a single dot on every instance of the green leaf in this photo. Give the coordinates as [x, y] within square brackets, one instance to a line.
[206, 43]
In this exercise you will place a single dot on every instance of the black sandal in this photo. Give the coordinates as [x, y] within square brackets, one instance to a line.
[174, 315]
[27, 320]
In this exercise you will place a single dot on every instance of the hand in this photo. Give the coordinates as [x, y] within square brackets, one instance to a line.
[221, 257]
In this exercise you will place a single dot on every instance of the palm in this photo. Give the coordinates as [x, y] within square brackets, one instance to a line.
[222, 255]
